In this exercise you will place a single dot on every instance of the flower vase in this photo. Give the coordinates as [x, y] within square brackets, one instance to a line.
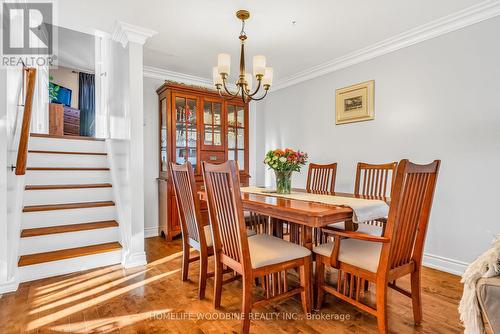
[283, 182]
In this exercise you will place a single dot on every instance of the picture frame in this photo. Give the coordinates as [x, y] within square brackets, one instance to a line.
[355, 103]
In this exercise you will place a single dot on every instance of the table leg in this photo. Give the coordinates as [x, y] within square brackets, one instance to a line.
[307, 237]
[349, 225]
[277, 227]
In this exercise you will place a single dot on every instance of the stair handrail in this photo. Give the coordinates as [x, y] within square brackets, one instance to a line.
[22, 151]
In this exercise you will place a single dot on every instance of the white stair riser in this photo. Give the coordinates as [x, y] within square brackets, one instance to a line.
[35, 177]
[53, 144]
[66, 160]
[66, 217]
[62, 196]
[53, 242]
[62, 267]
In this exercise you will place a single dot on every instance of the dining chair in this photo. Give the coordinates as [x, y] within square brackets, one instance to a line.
[195, 233]
[372, 181]
[321, 178]
[383, 259]
[258, 256]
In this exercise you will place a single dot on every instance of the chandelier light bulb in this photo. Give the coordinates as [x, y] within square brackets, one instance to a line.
[268, 77]
[224, 63]
[259, 65]
[216, 76]
[249, 81]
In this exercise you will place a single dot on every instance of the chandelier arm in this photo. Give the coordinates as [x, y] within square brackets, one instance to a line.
[260, 98]
[256, 89]
[229, 98]
[227, 90]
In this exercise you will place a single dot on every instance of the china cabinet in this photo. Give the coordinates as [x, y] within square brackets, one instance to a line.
[196, 125]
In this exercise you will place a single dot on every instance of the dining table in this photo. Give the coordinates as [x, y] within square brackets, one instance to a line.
[308, 214]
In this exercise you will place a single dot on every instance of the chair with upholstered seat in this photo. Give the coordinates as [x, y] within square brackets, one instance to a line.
[372, 181]
[259, 256]
[195, 233]
[383, 259]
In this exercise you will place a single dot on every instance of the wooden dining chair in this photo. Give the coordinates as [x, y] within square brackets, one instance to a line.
[261, 255]
[372, 181]
[194, 233]
[383, 259]
[321, 178]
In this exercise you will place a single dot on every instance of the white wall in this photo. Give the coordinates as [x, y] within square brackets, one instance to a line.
[151, 149]
[433, 100]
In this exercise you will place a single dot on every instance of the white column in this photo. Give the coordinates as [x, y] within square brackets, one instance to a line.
[133, 38]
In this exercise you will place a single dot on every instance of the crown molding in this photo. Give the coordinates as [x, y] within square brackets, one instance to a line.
[466, 17]
[162, 74]
[124, 33]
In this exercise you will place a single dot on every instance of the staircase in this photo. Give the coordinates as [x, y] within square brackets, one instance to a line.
[69, 221]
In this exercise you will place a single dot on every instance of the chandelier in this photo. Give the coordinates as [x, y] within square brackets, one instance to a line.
[263, 74]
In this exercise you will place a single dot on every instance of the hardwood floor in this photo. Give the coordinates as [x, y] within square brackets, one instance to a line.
[153, 299]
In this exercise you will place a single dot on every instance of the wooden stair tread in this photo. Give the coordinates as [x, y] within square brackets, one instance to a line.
[64, 254]
[66, 152]
[68, 186]
[34, 232]
[44, 135]
[83, 205]
[67, 168]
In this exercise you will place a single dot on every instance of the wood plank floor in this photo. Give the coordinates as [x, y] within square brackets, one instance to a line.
[153, 299]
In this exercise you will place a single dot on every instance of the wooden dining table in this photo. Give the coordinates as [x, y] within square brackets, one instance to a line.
[307, 214]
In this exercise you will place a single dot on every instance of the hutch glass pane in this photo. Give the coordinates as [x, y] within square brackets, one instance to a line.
[163, 135]
[241, 138]
[231, 138]
[230, 155]
[180, 104]
[191, 111]
[241, 159]
[217, 135]
[217, 113]
[241, 116]
[207, 113]
[208, 135]
[230, 115]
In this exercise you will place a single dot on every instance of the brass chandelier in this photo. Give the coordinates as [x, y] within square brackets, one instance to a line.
[263, 74]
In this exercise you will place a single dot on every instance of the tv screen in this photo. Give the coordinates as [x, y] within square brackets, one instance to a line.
[63, 94]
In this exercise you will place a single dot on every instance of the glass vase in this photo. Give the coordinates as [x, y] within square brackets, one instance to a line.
[283, 181]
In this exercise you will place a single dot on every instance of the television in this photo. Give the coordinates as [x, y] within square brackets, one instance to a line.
[62, 96]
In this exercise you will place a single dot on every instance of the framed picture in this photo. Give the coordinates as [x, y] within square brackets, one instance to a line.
[355, 103]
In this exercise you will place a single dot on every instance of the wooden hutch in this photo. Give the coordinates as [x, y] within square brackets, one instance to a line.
[197, 125]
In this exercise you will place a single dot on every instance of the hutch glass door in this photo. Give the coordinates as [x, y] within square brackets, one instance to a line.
[236, 134]
[185, 130]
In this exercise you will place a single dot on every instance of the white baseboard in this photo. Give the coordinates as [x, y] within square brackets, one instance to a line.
[135, 260]
[151, 232]
[9, 286]
[441, 263]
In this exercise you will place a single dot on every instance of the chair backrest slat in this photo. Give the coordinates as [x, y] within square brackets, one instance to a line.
[321, 178]
[409, 213]
[187, 202]
[375, 180]
[226, 211]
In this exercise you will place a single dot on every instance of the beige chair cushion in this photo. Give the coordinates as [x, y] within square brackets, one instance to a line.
[362, 228]
[359, 253]
[266, 250]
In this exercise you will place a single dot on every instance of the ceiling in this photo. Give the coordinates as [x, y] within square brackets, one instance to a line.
[192, 32]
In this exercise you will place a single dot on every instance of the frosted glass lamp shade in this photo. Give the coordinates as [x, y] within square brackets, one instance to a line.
[259, 65]
[216, 76]
[268, 76]
[223, 63]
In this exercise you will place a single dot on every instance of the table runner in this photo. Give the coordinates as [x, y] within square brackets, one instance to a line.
[364, 210]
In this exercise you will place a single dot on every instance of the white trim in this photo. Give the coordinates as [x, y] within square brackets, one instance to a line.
[151, 232]
[9, 286]
[161, 74]
[441, 263]
[124, 33]
[466, 17]
[134, 260]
